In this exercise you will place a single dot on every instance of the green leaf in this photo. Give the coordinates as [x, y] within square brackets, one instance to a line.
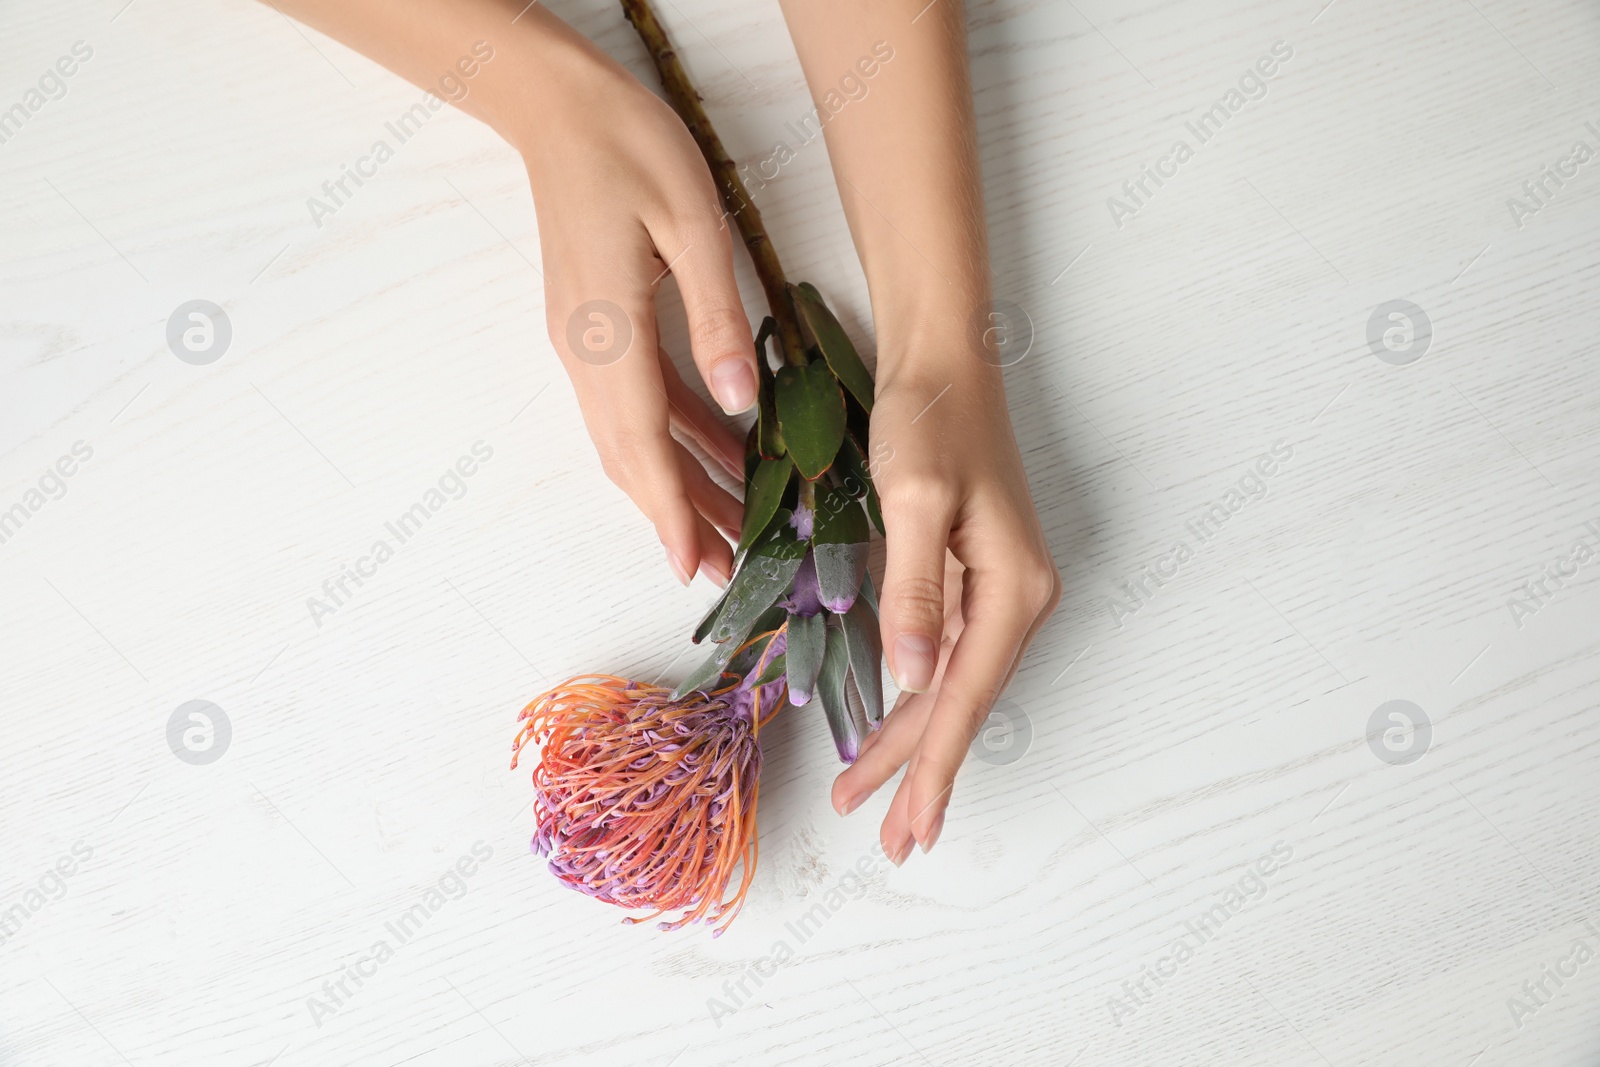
[858, 479]
[711, 616]
[757, 585]
[752, 450]
[857, 419]
[807, 635]
[763, 494]
[745, 662]
[830, 694]
[868, 593]
[710, 672]
[779, 541]
[811, 416]
[864, 642]
[839, 520]
[769, 439]
[858, 711]
[727, 658]
[834, 342]
[774, 670]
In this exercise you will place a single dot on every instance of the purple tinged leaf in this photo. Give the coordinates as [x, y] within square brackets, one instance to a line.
[831, 695]
[803, 656]
[839, 572]
[865, 644]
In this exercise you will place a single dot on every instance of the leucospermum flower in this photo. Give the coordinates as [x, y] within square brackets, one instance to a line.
[646, 798]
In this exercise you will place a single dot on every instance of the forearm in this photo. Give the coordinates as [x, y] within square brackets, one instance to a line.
[906, 160]
[529, 52]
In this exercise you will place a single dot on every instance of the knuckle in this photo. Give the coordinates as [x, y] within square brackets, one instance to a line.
[915, 495]
[971, 703]
[1040, 583]
[721, 330]
[918, 599]
[705, 217]
[623, 453]
[616, 467]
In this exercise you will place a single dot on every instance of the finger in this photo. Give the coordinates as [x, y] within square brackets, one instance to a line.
[716, 555]
[895, 833]
[913, 608]
[719, 333]
[625, 409]
[714, 502]
[998, 616]
[691, 415]
[884, 753]
[902, 729]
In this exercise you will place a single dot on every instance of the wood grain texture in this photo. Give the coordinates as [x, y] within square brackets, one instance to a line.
[1172, 746]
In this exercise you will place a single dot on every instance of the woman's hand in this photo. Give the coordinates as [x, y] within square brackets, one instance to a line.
[970, 577]
[970, 581]
[624, 197]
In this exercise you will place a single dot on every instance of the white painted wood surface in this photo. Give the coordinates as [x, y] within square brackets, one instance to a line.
[1172, 747]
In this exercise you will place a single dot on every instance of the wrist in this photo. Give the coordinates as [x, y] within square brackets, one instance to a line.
[944, 341]
[562, 77]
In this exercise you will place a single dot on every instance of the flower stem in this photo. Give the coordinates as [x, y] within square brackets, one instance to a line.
[685, 101]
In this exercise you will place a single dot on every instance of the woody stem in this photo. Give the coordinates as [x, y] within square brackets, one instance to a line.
[685, 101]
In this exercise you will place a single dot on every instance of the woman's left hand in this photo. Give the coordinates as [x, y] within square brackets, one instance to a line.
[970, 580]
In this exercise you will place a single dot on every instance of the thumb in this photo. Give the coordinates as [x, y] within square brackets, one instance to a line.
[719, 333]
[912, 609]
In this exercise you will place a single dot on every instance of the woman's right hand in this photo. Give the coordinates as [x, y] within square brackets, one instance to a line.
[623, 198]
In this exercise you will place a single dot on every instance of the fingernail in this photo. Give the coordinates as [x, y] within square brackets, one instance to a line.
[852, 803]
[715, 573]
[734, 382]
[913, 663]
[677, 566]
[898, 857]
[933, 832]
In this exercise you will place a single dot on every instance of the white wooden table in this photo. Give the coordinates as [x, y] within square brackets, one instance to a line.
[159, 911]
